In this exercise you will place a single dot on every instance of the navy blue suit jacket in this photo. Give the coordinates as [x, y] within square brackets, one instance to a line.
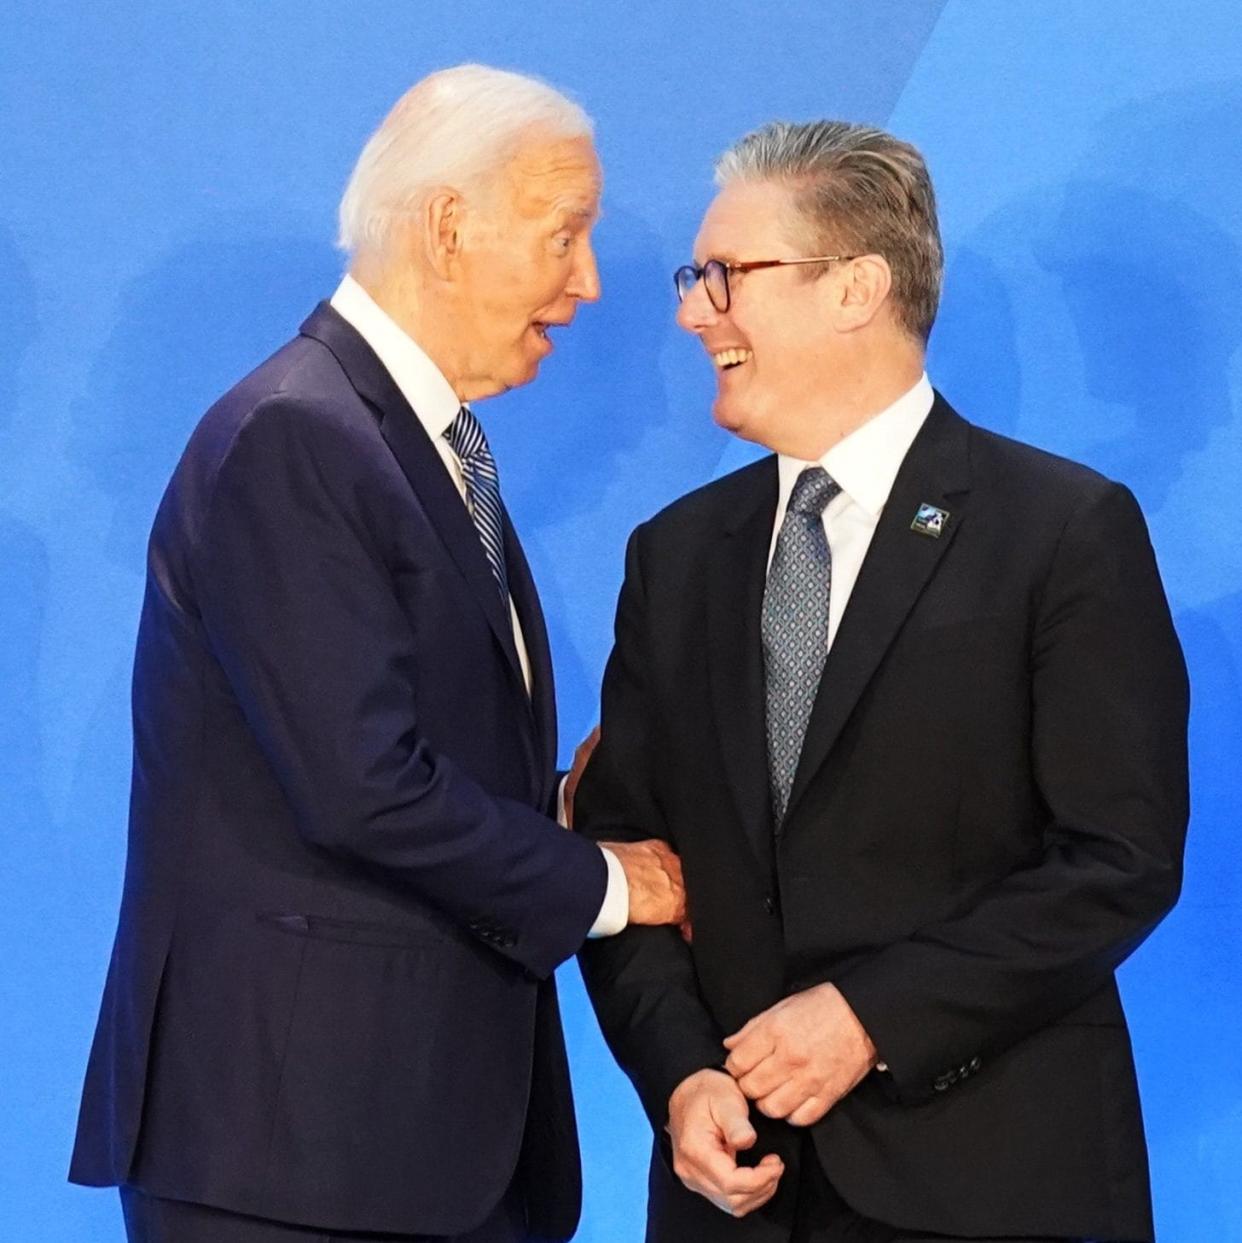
[330, 1000]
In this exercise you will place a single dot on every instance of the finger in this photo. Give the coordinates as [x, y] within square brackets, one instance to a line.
[747, 1052]
[757, 1201]
[781, 1102]
[686, 928]
[731, 1042]
[746, 1201]
[730, 1114]
[583, 750]
[732, 1181]
[809, 1112]
[748, 1204]
[772, 1073]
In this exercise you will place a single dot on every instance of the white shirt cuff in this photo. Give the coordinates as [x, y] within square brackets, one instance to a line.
[560, 803]
[614, 914]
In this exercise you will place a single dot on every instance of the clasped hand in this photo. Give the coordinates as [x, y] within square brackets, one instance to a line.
[795, 1060]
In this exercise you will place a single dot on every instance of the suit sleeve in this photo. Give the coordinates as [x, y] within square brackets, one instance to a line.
[299, 607]
[642, 982]
[1108, 745]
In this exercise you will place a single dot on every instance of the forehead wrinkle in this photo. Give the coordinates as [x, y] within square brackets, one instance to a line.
[563, 189]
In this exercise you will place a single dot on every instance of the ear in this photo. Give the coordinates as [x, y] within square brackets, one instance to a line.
[443, 220]
[862, 289]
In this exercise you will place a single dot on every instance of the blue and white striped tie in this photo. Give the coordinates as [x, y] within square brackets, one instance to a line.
[478, 469]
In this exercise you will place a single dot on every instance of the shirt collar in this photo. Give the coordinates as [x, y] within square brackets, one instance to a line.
[866, 462]
[421, 382]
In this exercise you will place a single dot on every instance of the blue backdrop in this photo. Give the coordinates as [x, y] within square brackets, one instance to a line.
[170, 178]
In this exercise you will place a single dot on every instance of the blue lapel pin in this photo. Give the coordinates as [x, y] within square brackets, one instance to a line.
[930, 521]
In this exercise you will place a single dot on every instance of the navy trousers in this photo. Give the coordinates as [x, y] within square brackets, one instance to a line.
[150, 1219]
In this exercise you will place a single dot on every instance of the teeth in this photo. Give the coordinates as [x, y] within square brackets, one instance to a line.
[731, 358]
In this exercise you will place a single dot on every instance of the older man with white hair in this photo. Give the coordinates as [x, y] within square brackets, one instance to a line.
[330, 1011]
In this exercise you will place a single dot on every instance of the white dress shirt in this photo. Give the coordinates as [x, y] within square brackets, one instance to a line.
[435, 403]
[865, 464]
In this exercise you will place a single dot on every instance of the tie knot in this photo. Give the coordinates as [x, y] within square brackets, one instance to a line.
[812, 491]
[465, 436]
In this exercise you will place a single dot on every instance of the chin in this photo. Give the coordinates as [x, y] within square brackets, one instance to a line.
[739, 423]
[526, 376]
[728, 416]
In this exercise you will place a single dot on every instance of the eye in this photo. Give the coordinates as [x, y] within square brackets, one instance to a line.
[562, 242]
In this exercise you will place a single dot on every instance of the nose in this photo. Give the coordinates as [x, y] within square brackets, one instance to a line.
[584, 279]
[696, 313]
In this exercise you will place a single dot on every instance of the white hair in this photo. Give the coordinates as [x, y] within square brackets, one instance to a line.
[451, 129]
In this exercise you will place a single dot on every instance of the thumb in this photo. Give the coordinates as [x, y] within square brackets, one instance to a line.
[732, 1116]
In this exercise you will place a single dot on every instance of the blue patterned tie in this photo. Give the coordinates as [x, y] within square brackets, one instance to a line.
[795, 627]
[478, 469]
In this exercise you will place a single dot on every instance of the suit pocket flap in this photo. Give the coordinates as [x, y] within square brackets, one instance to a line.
[354, 932]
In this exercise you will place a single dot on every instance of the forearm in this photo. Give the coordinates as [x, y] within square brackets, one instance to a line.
[643, 989]
[1028, 952]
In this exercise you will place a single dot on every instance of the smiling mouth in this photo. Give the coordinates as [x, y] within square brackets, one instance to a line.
[726, 360]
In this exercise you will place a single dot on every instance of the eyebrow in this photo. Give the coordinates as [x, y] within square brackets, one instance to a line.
[579, 212]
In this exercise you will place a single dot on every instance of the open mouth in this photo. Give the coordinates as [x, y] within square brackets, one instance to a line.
[727, 360]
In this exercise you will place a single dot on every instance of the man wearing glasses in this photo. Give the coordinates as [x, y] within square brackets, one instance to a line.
[906, 698]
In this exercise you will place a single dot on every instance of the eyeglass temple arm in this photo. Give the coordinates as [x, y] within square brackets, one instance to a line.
[755, 264]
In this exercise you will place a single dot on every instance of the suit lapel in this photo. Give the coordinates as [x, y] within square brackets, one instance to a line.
[542, 699]
[736, 573]
[899, 564]
[422, 466]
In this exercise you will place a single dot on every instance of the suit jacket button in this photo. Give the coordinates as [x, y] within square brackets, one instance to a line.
[941, 1084]
[769, 904]
[975, 1063]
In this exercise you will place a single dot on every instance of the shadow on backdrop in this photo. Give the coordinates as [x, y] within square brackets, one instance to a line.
[29, 916]
[23, 597]
[185, 332]
[1100, 316]
[1125, 259]
[973, 353]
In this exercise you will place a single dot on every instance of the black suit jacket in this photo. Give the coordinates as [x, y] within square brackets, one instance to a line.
[330, 1000]
[987, 818]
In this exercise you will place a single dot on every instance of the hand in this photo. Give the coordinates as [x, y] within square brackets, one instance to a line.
[709, 1123]
[801, 1056]
[582, 754]
[653, 872]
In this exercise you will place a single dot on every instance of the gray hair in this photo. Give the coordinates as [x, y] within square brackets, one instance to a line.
[451, 129]
[857, 190]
